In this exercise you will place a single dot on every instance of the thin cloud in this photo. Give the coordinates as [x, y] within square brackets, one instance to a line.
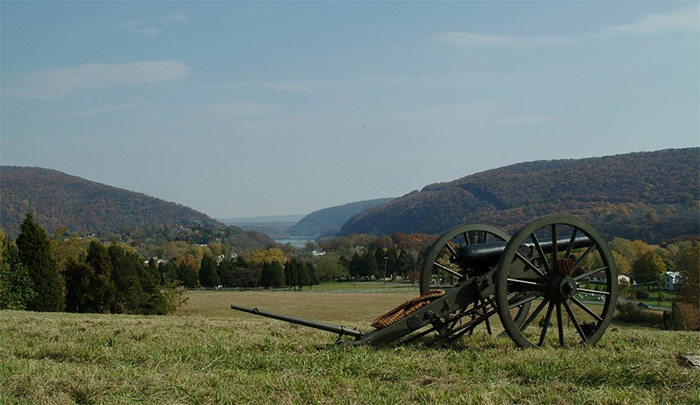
[291, 87]
[60, 82]
[686, 18]
[470, 39]
[232, 111]
[147, 26]
[175, 17]
[478, 115]
[103, 110]
[276, 86]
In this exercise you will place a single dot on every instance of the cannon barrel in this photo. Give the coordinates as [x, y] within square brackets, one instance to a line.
[485, 255]
[341, 330]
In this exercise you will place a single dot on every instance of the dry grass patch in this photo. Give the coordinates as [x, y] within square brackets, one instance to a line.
[237, 358]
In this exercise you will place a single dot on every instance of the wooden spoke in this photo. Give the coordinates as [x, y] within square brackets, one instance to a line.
[539, 286]
[582, 257]
[445, 269]
[587, 291]
[590, 272]
[555, 249]
[545, 326]
[560, 326]
[530, 265]
[535, 313]
[586, 309]
[536, 241]
[466, 238]
[523, 301]
[575, 321]
[571, 243]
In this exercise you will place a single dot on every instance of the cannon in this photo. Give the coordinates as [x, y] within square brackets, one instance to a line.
[554, 283]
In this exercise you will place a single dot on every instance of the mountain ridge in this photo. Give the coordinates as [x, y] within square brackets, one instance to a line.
[653, 196]
[58, 199]
[327, 221]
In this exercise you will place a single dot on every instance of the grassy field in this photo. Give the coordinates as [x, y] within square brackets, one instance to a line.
[365, 286]
[211, 354]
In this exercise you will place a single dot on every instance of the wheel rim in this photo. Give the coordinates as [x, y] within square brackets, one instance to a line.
[437, 259]
[558, 282]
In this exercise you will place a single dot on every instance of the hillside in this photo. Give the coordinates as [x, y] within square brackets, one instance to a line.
[57, 199]
[328, 221]
[652, 196]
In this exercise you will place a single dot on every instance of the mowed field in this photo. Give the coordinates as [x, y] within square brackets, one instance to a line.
[209, 353]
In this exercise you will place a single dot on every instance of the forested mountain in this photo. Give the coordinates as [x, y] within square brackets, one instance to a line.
[57, 199]
[328, 221]
[653, 196]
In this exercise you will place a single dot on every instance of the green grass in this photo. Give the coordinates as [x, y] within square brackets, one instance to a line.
[364, 286]
[653, 299]
[211, 354]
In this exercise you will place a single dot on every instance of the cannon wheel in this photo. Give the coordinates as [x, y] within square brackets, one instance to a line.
[437, 260]
[446, 245]
[526, 273]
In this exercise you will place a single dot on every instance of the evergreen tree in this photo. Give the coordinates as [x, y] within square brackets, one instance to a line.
[392, 267]
[35, 254]
[168, 272]
[372, 265]
[356, 266]
[225, 272]
[153, 270]
[291, 276]
[277, 274]
[103, 287]
[79, 287]
[379, 256]
[187, 275]
[129, 275]
[241, 262]
[266, 277]
[405, 262]
[303, 278]
[16, 286]
[272, 275]
[208, 276]
[313, 274]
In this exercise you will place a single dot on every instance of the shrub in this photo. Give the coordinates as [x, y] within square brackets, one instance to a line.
[631, 313]
[641, 294]
[683, 316]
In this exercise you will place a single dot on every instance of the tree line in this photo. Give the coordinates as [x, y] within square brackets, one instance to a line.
[39, 275]
[69, 274]
[264, 268]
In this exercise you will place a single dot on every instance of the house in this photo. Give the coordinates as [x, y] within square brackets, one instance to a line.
[671, 281]
[601, 278]
[623, 279]
[598, 278]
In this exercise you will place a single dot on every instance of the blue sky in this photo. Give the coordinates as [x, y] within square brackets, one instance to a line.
[267, 108]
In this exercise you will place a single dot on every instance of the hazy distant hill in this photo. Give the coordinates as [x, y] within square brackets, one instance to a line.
[652, 196]
[328, 221]
[274, 226]
[57, 199]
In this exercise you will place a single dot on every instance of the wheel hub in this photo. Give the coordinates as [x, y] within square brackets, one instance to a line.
[563, 288]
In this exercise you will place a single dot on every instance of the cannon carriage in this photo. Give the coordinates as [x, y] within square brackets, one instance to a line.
[535, 282]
